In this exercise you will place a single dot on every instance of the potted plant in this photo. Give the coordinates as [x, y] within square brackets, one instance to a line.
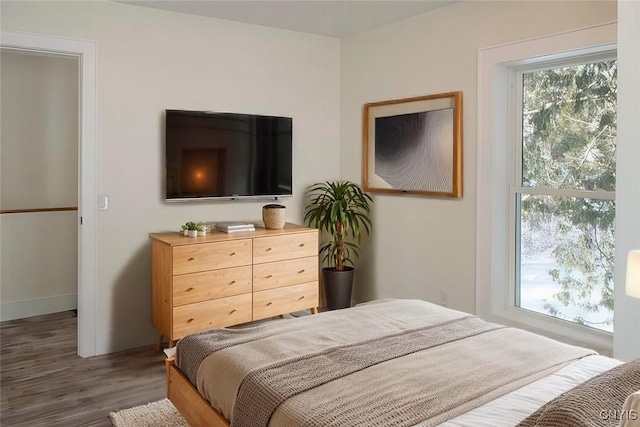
[193, 228]
[341, 209]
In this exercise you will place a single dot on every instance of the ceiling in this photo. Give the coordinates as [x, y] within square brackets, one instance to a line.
[324, 17]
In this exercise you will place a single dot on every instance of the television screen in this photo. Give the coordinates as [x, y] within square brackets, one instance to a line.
[227, 155]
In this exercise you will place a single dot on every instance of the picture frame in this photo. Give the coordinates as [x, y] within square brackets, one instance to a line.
[414, 145]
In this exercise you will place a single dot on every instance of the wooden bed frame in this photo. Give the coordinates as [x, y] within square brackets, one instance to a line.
[184, 396]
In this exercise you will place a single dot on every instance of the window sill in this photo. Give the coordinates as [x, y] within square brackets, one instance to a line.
[558, 329]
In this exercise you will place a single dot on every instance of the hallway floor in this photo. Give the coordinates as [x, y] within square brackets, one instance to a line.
[44, 382]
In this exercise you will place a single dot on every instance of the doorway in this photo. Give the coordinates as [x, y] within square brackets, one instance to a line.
[39, 185]
[83, 55]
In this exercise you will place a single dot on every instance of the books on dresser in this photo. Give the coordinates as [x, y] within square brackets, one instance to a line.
[234, 226]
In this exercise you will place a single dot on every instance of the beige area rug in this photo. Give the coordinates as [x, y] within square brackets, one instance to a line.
[161, 413]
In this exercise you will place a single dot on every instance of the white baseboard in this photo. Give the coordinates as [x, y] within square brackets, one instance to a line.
[38, 306]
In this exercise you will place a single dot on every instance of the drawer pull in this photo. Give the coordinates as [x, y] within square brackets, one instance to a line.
[191, 259]
[189, 289]
[190, 320]
[302, 297]
[232, 254]
[232, 311]
[301, 245]
[269, 276]
[269, 303]
[232, 282]
[267, 250]
[301, 271]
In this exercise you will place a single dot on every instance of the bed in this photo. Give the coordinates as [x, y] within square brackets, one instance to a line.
[388, 362]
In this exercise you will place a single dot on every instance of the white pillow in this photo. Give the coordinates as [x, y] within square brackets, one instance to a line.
[630, 416]
[170, 352]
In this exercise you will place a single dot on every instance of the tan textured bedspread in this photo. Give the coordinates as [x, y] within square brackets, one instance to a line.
[428, 365]
[597, 402]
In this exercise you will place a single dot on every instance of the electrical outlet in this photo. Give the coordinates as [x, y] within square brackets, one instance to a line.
[444, 299]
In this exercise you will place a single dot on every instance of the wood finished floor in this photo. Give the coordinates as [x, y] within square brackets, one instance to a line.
[43, 382]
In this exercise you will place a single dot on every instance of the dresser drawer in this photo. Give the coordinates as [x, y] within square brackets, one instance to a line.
[284, 273]
[196, 287]
[278, 248]
[216, 313]
[211, 256]
[284, 300]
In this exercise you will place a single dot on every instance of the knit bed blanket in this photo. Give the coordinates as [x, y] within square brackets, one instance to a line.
[386, 363]
[597, 402]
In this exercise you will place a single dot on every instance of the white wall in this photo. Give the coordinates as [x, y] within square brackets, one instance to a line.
[39, 163]
[424, 246]
[39, 169]
[151, 60]
[626, 341]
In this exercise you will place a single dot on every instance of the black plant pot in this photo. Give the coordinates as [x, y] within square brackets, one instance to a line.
[337, 287]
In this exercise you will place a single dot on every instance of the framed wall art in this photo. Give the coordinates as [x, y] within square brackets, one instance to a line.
[414, 145]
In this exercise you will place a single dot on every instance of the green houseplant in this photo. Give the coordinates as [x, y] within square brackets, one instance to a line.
[340, 209]
[193, 228]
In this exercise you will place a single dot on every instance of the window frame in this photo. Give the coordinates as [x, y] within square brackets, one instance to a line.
[497, 77]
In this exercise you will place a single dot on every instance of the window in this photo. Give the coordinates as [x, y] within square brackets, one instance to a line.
[542, 182]
[562, 191]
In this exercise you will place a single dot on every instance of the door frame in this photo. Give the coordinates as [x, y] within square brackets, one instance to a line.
[86, 53]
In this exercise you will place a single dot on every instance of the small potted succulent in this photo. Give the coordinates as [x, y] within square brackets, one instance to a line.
[193, 228]
[184, 230]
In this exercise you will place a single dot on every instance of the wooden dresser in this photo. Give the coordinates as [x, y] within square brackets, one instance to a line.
[226, 279]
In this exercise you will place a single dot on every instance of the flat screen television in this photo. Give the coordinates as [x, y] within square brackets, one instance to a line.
[227, 156]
